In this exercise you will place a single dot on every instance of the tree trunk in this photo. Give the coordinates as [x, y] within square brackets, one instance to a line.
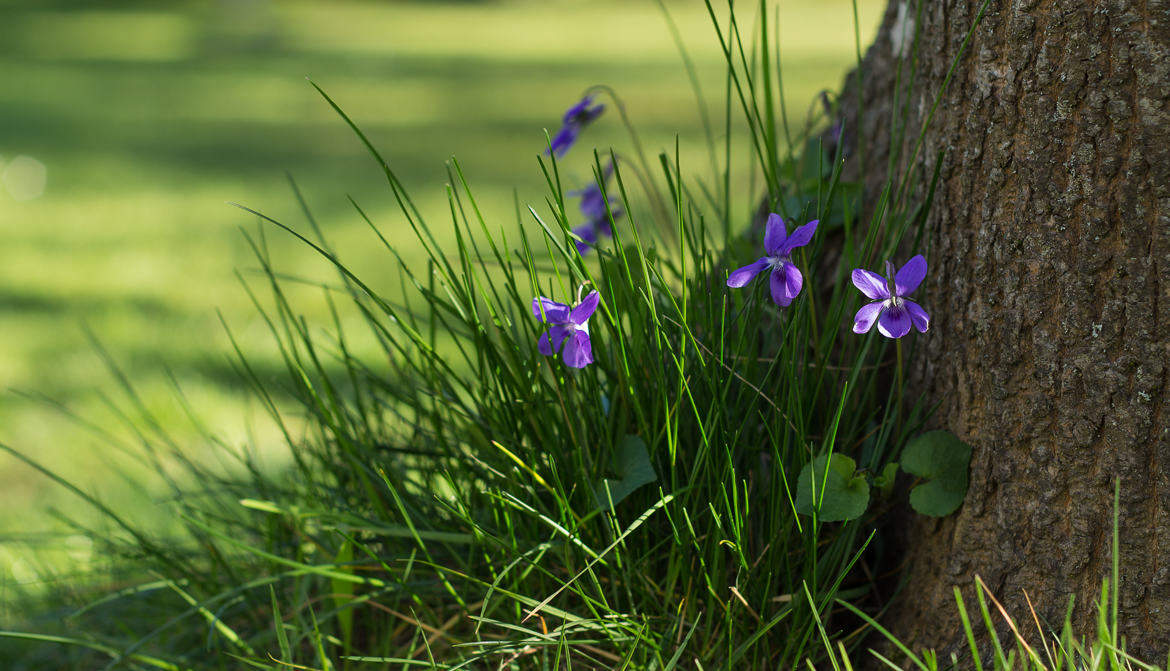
[1049, 288]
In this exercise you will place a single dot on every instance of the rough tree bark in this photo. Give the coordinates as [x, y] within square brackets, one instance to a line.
[1049, 288]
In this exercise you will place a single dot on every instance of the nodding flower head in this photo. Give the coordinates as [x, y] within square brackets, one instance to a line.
[569, 328]
[893, 312]
[786, 279]
[576, 118]
[594, 207]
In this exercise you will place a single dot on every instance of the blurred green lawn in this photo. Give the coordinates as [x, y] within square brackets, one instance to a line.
[149, 116]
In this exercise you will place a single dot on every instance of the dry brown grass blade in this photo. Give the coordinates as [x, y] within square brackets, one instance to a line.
[739, 597]
[1040, 630]
[1007, 618]
[442, 631]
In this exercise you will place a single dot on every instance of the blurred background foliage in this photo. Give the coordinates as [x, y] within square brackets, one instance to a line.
[125, 127]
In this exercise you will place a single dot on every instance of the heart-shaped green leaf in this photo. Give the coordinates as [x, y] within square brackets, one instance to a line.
[941, 459]
[841, 493]
[885, 480]
[632, 466]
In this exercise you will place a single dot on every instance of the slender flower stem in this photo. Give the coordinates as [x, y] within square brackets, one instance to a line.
[812, 311]
[655, 197]
[898, 406]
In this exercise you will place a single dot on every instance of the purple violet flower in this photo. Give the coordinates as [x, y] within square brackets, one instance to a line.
[569, 327]
[593, 206]
[892, 311]
[786, 279]
[592, 202]
[576, 118]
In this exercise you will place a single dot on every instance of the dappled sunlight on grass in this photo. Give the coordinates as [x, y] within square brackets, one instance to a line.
[144, 138]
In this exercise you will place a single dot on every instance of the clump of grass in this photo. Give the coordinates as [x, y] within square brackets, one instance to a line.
[463, 501]
[1044, 648]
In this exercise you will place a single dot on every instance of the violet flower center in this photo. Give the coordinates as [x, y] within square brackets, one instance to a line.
[571, 326]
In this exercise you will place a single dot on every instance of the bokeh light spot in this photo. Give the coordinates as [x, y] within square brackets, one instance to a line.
[24, 178]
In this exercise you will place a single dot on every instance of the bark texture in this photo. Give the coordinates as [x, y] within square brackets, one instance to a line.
[1049, 288]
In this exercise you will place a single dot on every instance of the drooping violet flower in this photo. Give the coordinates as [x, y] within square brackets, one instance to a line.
[576, 118]
[786, 279]
[892, 311]
[569, 327]
[593, 206]
[592, 202]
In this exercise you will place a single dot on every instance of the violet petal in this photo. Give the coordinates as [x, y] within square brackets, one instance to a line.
[588, 235]
[865, 317]
[910, 275]
[589, 115]
[871, 284]
[572, 113]
[793, 281]
[562, 141]
[779, 288]
[918, 316]
[742, 276]
[774, 234]
[800, 237]
[603, 225]
[554, 312]
[592, 204]
[578, 350]
[585, 308]
[557, 335]
[544, 346]
[894, 322]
